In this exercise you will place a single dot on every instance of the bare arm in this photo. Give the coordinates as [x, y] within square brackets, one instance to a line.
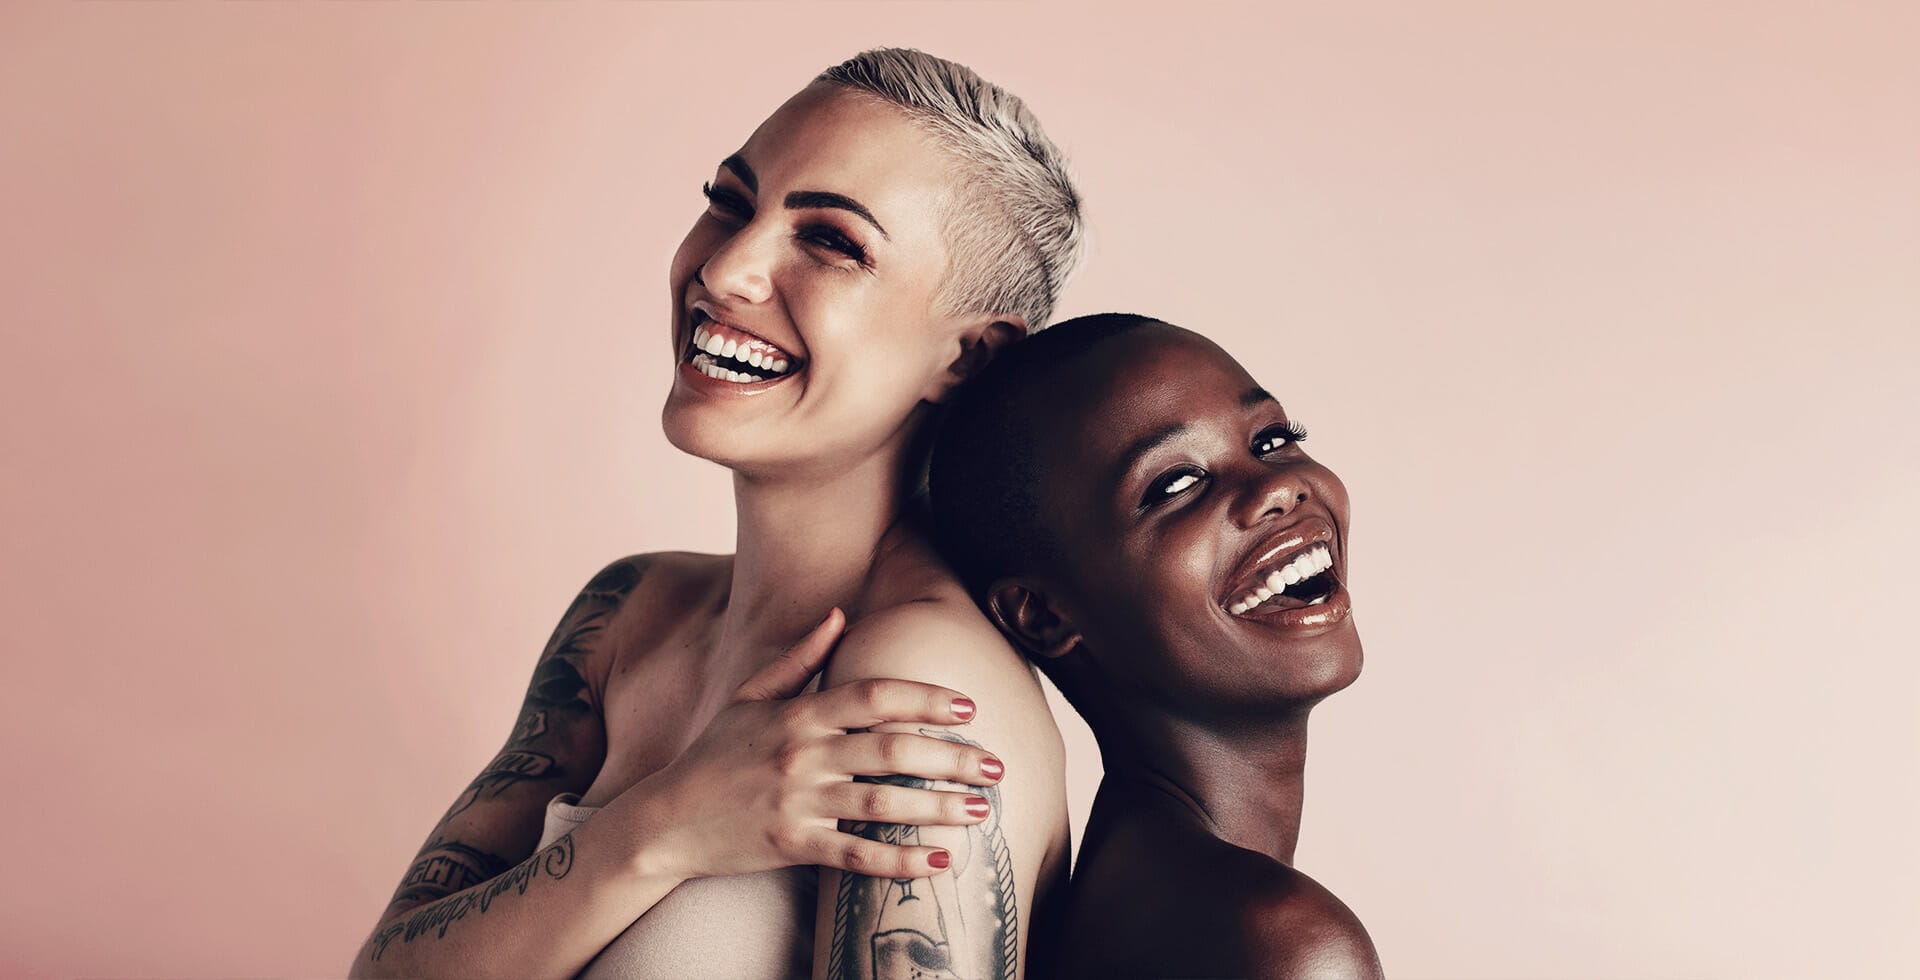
[753, 792]
[970, 921]
[476, 892]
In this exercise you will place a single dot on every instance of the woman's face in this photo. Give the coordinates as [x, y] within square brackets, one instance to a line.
[1205, 551]
[808, 284]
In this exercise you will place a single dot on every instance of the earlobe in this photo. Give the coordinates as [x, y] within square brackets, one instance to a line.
[1031, 620]
[978, 347]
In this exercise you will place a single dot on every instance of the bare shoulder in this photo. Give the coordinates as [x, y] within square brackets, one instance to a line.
[656, 591]
[943, 639]
[1295, 929]
[916, 621]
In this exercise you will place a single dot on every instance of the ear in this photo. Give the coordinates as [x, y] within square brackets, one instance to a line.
[979, 344]
[1032, 620]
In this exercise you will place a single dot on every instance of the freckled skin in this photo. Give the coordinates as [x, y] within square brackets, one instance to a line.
[1201, 715]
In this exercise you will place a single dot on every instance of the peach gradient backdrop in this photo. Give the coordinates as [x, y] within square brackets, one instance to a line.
[333, 357]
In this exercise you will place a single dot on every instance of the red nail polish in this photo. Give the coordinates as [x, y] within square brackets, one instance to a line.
[939, 859]
[963, 707]
[992, 768]
[977, 806]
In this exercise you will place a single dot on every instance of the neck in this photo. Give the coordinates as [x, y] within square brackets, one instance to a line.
[1246, 783]
[803, 545]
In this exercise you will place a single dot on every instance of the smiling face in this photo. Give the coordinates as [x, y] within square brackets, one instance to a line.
[804, 323]
[1195, 547]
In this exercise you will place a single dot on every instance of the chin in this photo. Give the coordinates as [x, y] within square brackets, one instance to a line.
[1323, 666]
[693, 431]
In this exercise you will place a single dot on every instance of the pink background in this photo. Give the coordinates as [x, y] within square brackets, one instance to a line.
[332, 366]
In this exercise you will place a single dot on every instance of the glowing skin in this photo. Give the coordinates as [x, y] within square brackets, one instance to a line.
[1192, 608]
[1151, 575]
[672, 701]
[846, 301]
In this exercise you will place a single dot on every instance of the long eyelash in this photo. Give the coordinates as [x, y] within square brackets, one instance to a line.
[831, 238]
[1293, 430]
[725, 200]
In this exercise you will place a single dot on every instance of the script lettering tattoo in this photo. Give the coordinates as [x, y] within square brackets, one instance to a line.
[445, 867]
[961, 925]
[554, 862]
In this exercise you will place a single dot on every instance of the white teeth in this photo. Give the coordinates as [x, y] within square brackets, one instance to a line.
[744, 353]
[1306, 566]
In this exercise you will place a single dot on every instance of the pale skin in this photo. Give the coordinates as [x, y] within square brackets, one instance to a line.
[671, 693]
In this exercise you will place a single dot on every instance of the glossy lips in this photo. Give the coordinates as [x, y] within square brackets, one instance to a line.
[1289, 579]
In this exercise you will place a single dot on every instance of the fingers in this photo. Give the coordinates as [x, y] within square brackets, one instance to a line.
[866, 703]
[886, 803]
[833, 849]
[884, 754]
[789, 673]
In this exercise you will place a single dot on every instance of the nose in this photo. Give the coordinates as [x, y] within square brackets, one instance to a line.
[739, 270]
[1273, 490]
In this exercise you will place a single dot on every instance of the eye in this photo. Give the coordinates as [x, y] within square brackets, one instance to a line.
[1171, 485]
[1274, 438]
[726, 203]
[831, 238]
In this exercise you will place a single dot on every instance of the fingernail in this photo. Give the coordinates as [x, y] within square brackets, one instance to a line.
[939, 859]
[992, 768]
[963, 707]
[977, 806]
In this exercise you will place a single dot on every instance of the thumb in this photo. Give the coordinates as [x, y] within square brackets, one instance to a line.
[789, 673]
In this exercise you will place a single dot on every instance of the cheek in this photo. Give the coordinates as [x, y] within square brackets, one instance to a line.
[1334, 492]
[1166, 580]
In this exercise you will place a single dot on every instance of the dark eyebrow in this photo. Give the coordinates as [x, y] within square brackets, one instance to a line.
[1130, 456]
[742, 171]
[1256, 396]
[827, 199]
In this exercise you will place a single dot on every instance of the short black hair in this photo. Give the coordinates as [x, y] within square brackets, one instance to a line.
[982, 481]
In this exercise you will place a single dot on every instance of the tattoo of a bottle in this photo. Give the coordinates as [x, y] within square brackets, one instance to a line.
[961, 925]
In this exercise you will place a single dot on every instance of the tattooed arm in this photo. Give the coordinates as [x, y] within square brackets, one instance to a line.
[477, 899]
[971, 922]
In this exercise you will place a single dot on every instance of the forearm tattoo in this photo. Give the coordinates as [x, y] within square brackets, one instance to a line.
[553, 862]
[959, 925]
[552, 725]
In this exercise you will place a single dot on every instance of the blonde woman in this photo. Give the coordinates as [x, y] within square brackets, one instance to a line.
[667, 790]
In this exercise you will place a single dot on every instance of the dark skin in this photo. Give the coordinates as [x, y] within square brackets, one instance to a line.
[1172, 487]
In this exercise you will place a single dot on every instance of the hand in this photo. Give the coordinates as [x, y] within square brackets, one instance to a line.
[766, 783]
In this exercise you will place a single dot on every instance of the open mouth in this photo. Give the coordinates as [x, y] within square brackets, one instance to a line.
[1296, 581]
[728, 354]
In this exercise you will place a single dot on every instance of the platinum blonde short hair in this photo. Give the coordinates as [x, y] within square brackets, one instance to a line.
[1015, 228]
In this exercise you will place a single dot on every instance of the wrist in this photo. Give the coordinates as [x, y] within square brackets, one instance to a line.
[655, 847]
